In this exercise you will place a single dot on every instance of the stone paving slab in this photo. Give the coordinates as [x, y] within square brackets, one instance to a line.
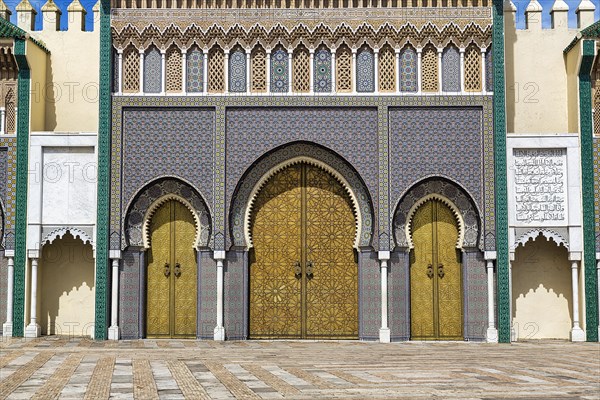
[78, 368]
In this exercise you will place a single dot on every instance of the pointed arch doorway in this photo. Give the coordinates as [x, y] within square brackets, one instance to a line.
[303, 269]
[435, 274]
[172, 273]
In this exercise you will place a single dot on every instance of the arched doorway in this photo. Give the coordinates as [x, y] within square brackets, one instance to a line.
[172, 273]
[67, 288]
[435, 274]
[542, 294]
[303, 268]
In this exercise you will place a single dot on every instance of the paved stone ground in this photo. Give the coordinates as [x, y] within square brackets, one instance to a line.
[56, 367]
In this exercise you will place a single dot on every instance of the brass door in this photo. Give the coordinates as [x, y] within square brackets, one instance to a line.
[435, 275]
[303, 272]
[172, 273]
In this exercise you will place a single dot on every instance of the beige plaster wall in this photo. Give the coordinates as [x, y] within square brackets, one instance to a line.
[70, 97]
[38, 64]
[536, 79]
[541, 291]
[67, 288]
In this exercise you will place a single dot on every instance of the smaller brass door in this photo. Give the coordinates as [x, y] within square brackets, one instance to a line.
[171, 273]
[435, 275]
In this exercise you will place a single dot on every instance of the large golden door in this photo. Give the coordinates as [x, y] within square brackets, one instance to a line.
[172, 273]
[435, 275]
[303, 272]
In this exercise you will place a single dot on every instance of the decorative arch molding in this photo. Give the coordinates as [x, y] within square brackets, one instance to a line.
[59, 233]
[451, 194]
[280, 167]
[255, 178]
[455, 211]
[545, 232]
[154, 194]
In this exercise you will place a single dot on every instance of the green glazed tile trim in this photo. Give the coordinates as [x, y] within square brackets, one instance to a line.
[502, 260]
[21, 190]
[101, 325]
[587, 189]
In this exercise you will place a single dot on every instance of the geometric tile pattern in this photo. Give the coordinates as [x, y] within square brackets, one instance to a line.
[235, 289]
[408, 70]
[455, 149]
[279, 71]
[131, 293]
[369, 301]
[207, 295]
[3, 287]
[237, 70]
[322, 70]
[8, 187]
[451, 191]
[195, 71]
[152, 71]
[450, 69]
[596, 152]
[349, 132]
[399, 295]
[365, 70]
[475, 296]
[176, 131]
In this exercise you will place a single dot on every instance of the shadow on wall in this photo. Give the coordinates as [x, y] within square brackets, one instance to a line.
[542, 292]
[67, 287]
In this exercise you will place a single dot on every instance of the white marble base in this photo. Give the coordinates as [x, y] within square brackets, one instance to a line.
[492, 335]
[113, 333]
[220, 333]
[33, 331]
[7, 329]
[577, 335]
[384, 335]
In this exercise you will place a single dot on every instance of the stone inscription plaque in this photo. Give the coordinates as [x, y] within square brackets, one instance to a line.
[540, 186]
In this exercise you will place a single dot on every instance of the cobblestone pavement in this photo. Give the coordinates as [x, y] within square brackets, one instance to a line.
[56, 367]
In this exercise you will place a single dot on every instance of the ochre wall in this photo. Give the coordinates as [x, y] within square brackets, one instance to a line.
[67, 288]
[38, 63]
[542, 294]
[71, 92]
[536, 79]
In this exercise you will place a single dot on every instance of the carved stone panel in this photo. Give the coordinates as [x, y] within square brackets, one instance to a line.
[540, 187]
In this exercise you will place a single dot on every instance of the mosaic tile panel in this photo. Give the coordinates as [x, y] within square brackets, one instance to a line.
[185, 137]
[115, 72]
[280, 68]
[455, 151]
[152, 71]
[237, 71]
[349, 132]
[399, 296]
[475, 298]
[489, 70]
[450, 70]
[131, 294]
[468, 210]
[134, 219]
[408, 70]
[207, 295]
[596, 145]
[369, 296]
[322, 68]
[8, 187]
[365, 71]
[195, 71]
[3, 287]
[236, 287]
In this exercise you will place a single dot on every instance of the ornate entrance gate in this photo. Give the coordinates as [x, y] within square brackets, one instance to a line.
[435, 275]
[172, 272]
[303, 272]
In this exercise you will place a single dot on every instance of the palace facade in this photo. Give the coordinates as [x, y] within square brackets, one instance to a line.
[315, 169]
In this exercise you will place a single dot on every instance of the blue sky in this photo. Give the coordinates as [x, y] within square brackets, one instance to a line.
[521, 5]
